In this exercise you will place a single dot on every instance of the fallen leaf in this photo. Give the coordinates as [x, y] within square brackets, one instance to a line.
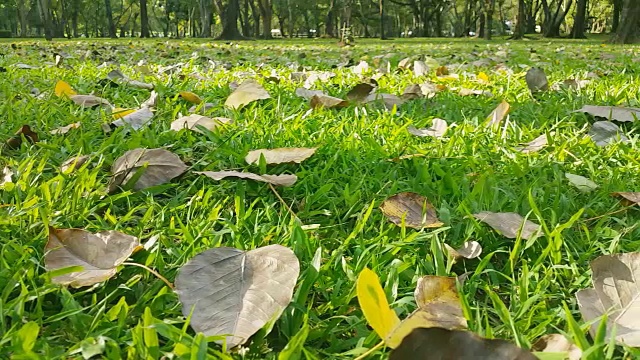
[326, 101]
[474, 92]
[616, 293]
[118, 76]
[280, 155]
[249, 91]
[7, 176]
[119, 113]
[359, 92]
[631, 197]
[90, 101]
[202, 108]
[374, 305]
[65, 129]
[437, 343]
[442, 71]
[534, 145]
[389, 100]
[581, 183]
[557, 343]
[412, 91]
[509, 224]
[73, 163]
[160, 166]
[98, 254]
[469, 250]
[361, 68]
[420, 68]
[25, 66]
[278, 180]
[63, 89]
[136, 119]
[438, 129]
[307, 94]
[414, 209]
[227, 291]
[615, 113]
[498, 114]
[404, 63]
[152, 101]
[314, 76]
[14, 142]
[537, 80]
[483, 77]
[190, 97]
[604, 133]
[192, 122]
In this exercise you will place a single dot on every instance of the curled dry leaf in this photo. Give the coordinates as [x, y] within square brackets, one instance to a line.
[557, 343]
[438, 129]
[6, 177]
[468, 250]
[14, 142]
[65, 129]
[190, 97]
[498, 114]
[248, 92]
[326, 101]
[98, 254]
[537, 80]
[278, 180]
[160, 166]
[534, 145]
[604, 133]
[73, 163]
[280, 155]
[420, 68]
[615, 292]
[405, 63]
[631, 197]
[232, 292]
[359, 92]
[88, 101]
[581, 183]
[437, 343]
[412, 91]
[152, 101]
[118, 76]
[614, 113]
[412, 209]
[307, 94]
[136, 119]
[192, 122]
[442, 71]
[389, 100]
[509, 224]
[361, 68]
[474, 92]
[314, 76]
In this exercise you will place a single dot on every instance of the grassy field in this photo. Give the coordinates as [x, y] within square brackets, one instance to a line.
[516, 290]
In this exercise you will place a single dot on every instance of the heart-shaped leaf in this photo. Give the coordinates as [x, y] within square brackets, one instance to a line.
[248, 92]
[509, 224]
[326, 101]
[157, 166]
[192, 122]
[98, 254]
[604, 133]
[414, 209]
[231, 292]
[630, 197]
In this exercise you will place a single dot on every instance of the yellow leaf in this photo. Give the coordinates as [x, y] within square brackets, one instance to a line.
[374, 305]
[190, 97]
[119, 113]
[483, 77]
[62, 88]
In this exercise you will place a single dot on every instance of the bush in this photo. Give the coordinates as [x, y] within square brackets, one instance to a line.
[5, 33]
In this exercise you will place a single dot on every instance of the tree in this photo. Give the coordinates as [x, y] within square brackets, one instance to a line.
[229, 17]
[45, 15]
[488, 16]
[205, 18]
[579, 20]
[554, 20]
[144, 19]
[266, 9]
[520, 21]
[629, 23]
[382, 35]
[109, 13]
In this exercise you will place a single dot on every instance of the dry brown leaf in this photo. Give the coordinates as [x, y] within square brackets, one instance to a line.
[307, 94]
[604, 133]
[361, 68]
[498, 114]
[99, 254]
[557, 343]
[468, 250]
[192, 122]
[442, 71]
[389, 100]
[474, 92]
[509, 224]
[438, 129]
[160, 167]
[90, 101]
[405, 63]
[534, 145]
[119, 77]
[414, 209]
[14, 142]
[73, 163]
[248, 92]
[65, 129]
[190, 97]
[615, 292]
[359, 92]
[280, 155]
[152, 101]
[631, 197]
[614, 113]
[136, 119]
[420, 68]
[326, 101]
[278, 180]
[6, 177]
[411, 92]
[537, 80]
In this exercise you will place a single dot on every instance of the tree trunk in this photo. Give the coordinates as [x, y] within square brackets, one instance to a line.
[205, 18]
[230, 22]
[579, 21]
[330, 22]
[629, 23]
[490, 6]
[617, 6]
[144, 19]
[382, 34]
[555, 20]
[266, 11]
[109, 14]
[22, 11]
[481, 26]
[256, 17]
[520, 21]
[45, 15]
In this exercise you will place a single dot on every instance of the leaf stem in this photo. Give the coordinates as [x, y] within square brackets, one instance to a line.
[370, 351]
[609, 213]
[282, 201]
[169, 284]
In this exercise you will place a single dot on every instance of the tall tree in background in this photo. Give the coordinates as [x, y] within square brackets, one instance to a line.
[554, 20]
[579, 20]
[617, 7]
[521, 20]
[229, 17]
[22, 13]
[629, 23]
[109, 13]
[205, 18]
[144, 19]
[382, 34]
[45, 15]
[488, 16]
[266, 9]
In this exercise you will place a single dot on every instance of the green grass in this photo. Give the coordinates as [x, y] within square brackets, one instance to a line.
[516, 290]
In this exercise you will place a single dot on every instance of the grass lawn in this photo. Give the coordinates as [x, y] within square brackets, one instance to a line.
[516, 290]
